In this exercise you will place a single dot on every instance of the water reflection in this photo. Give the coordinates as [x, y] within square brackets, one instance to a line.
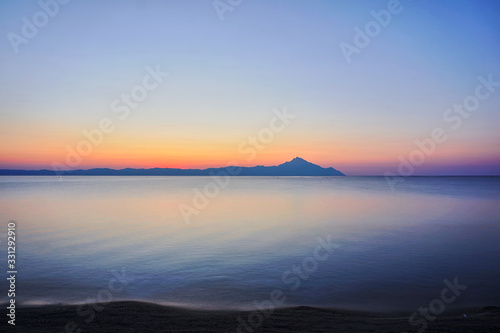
[394, 248]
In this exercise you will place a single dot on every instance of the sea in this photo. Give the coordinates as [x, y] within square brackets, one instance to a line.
[355, 243]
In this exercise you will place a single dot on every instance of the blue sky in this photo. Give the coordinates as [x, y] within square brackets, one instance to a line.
[225, 78]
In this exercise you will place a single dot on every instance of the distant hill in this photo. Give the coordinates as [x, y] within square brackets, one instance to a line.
[295, 167]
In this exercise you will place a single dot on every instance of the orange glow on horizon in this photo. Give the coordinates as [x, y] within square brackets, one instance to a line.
[49, 143]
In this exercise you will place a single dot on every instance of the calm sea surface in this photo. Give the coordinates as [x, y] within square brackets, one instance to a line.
[124, 238]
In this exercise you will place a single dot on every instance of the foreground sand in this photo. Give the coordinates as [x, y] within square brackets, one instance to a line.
[147, 317]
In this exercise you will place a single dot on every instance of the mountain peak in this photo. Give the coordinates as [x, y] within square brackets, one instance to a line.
[299, 166]
[298, 161]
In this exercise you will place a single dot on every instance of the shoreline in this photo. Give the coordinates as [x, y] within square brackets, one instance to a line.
[134, 316]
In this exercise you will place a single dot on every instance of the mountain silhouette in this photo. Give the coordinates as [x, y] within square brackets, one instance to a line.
[295, 167]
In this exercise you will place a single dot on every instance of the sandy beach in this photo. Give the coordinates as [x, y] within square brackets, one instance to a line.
[148, 317]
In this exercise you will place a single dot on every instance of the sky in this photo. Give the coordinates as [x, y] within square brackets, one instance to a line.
[367, 87]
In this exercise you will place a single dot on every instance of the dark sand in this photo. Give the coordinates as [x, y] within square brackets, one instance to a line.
[148, 317]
